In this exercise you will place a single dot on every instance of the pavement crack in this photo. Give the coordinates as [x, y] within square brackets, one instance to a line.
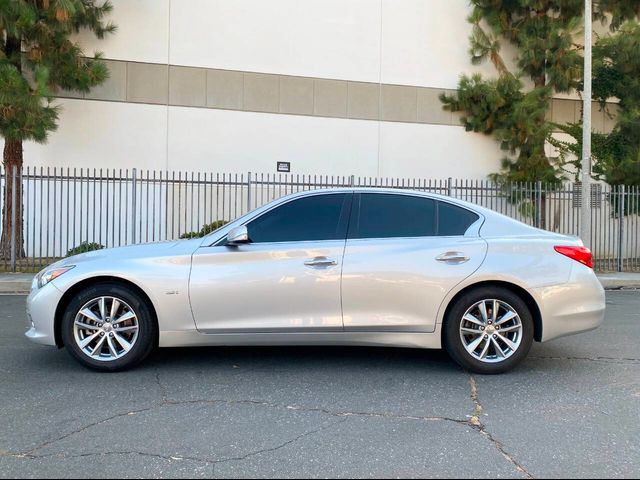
[163, 390]
[341, 415]
[31, 453]
[281, 446]
[615, 360]
[332, 413]
[171, 458]
[477, 411]
[476, 423]
[501, 448]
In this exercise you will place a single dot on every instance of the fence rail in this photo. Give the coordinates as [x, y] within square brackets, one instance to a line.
[64, 208]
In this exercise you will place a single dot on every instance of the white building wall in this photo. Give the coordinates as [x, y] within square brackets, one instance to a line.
[406, 42]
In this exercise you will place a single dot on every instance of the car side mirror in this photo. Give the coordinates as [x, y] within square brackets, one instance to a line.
[238, 236]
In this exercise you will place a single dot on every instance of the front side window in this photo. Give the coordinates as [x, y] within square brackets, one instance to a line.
[318, 217]
[388, 215]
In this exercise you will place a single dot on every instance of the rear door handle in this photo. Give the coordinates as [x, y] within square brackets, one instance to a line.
[453, 258]
[321, 262]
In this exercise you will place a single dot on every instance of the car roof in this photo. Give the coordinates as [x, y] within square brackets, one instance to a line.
[388, 190]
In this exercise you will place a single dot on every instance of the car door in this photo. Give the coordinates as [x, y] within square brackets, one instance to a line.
[287, 279]
[404, 253]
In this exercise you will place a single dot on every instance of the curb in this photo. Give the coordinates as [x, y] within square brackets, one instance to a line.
[15, 283]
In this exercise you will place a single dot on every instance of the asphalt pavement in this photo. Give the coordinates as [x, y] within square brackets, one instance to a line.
[571, 410]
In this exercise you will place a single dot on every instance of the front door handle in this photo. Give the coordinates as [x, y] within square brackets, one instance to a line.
[321, 262]
[453, 258]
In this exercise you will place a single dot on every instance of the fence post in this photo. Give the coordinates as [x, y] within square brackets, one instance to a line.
[248, 191]
[134, 176]
[14, 186]
[539, 205]
[449, 186]
[352, 180]
[621, 208]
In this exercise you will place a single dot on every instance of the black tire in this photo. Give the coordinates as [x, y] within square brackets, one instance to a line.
[451, 330]
[147, 327]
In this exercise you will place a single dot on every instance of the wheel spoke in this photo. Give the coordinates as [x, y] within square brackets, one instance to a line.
[86, 326]
[510, 329]
[483, 311]
[470, 318]
[124, 318]
[98, 347]
[126, 345]
[112, 348]
[471, 331]
[115, 306]
[485, 349]
[85, 342]
[498, 347]
[89, 314]
[494, 311]
[473, 345]
[133, 328]
[103, 308]
[508, 342]
[506, 317]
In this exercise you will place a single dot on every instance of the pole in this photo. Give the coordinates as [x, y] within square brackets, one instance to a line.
[621, 209]
[585, 225]
[14, 199]
[134, 201]
[248, 191]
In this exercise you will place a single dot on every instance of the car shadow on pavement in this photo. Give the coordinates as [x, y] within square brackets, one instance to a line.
[309, 357]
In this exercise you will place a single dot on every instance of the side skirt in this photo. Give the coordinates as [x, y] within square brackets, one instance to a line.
[376, 339]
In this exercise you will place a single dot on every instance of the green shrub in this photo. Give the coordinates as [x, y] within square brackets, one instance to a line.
[206, 230]
[85, 247]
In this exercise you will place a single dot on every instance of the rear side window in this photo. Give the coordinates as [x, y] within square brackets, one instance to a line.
[454, 220]
[319, 217]
[388, 215]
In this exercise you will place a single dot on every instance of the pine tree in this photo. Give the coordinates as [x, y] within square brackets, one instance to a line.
[616, 74]
[37, 59]
[543, 33]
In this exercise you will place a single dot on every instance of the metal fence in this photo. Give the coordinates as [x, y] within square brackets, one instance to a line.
[64, 208]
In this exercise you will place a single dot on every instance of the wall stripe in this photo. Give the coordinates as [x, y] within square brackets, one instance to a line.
[173, 85]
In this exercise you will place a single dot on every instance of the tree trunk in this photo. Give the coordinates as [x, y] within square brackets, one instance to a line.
[12, 158]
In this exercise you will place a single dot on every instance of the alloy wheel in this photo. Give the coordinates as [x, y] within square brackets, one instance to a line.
[106, 329]
[491, 331]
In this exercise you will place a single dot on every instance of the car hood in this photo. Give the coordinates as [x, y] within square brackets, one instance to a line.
[147, 250]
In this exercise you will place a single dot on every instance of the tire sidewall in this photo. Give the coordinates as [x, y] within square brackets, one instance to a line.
[453, 343]
[147, 327]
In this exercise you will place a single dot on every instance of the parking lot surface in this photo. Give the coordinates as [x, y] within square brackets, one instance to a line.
[571, 410]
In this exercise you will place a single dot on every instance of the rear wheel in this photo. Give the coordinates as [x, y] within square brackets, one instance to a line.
[488, 330]
[108, 327]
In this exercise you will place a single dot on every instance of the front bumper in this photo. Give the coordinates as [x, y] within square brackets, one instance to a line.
[575, 307]
[41, 309]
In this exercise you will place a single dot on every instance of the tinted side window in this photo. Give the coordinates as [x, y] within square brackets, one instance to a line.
[319, 217]
[454, 220]
[385, 216]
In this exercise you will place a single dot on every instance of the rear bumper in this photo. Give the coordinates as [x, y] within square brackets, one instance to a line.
[575, 307]
[41, 307]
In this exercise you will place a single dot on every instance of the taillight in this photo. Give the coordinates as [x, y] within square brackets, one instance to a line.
[579, 254]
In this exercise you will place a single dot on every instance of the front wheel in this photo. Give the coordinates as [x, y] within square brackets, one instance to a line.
[108, 327]
[488, 330]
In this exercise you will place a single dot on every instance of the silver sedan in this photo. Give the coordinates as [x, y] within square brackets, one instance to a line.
[331, 267]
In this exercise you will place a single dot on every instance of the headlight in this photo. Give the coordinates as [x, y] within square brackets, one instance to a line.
[47, 276]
